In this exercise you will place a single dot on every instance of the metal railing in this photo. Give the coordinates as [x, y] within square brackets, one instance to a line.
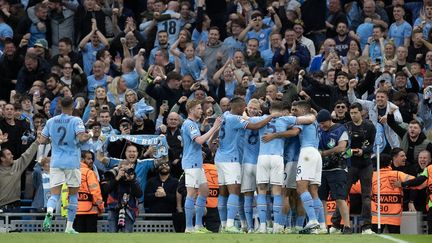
[32, 222]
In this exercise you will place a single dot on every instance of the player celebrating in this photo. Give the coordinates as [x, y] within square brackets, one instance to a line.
[228, 161]
[65, 132]
[192, 160]
[249, 160]
[270, 167]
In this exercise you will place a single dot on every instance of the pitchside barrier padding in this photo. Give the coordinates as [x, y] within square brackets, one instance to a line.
[32, 222]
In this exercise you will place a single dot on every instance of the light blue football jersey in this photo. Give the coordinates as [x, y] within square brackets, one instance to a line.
[63, 130]
[229, 138]
[251, 145]
[280, 124]
[309, 135]
[192, 155]
[171, 26]
[292, 149]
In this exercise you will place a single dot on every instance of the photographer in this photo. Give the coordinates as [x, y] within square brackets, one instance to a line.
[333, 146]
[362, 134]
[123, 192]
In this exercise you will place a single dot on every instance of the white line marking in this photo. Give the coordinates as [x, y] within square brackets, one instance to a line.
[391, 238]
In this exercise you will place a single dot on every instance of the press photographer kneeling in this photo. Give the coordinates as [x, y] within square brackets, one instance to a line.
[123, 193]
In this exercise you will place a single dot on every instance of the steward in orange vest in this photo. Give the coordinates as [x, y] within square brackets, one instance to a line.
[90, 203]
[423, 180]
[211, 218]
[391, 197]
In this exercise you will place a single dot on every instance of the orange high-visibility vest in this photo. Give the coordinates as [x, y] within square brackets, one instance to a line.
[212, 180]
[429, 187]
[391, 198]
[331, 208]
[89, 194]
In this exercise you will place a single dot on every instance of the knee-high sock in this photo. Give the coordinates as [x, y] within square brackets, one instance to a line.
[308, 205]
[52, 203]
[319, 210]
[222, 209]
[233, 207]
[199, 210]
[248, 209]
[262, 208]
[72, 207]
[277, 209]
[300, 220]
[189, 212]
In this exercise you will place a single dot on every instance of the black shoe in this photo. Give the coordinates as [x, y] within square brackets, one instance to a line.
[347, 230]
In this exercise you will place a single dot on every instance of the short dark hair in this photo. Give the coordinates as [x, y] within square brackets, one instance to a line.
[214, 28]
[303, 104]
[385, 160]
[415, 122]
[395, 151]
[356, 105]
[54, 76]
[173, 76]
[67, 102]
[66, 40]
[277, 105]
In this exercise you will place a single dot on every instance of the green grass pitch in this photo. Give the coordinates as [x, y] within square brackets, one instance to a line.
[201, 238]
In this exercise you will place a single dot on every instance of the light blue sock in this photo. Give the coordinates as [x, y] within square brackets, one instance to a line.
[52, 201]
[248, 209]
[277, 209]
[269, 207]
[72, 207]
[262, 208]
[300, 220]
[189, 211]
[288, 219]
[241, 209]
[232, 206]
[222, 208]
[199, 210]
[319, 210]
[308, 205]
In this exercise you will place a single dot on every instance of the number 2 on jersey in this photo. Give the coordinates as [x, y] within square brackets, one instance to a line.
[62, 131]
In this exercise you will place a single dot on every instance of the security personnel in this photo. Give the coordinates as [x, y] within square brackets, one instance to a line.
[333, 146]
[212, 217]
[391, 197]
[90, 203]
[423, 180]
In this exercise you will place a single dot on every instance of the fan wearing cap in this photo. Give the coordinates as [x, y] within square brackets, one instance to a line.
[116, 149]
[332, 145]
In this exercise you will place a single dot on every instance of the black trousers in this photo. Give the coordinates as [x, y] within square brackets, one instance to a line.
[86, 223]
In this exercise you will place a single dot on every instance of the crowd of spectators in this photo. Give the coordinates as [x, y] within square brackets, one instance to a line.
[111, 54]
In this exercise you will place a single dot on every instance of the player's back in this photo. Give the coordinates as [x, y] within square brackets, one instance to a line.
[291, 149]
[229, 138]
[63, 130]
[275, 146]
[309, 135]
[171, 26]
[251, 145]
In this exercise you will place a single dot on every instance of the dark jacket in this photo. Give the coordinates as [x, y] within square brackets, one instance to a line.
[161, 92]
[165, 204]
[26, 78]
[301, 52]
[9, 68]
